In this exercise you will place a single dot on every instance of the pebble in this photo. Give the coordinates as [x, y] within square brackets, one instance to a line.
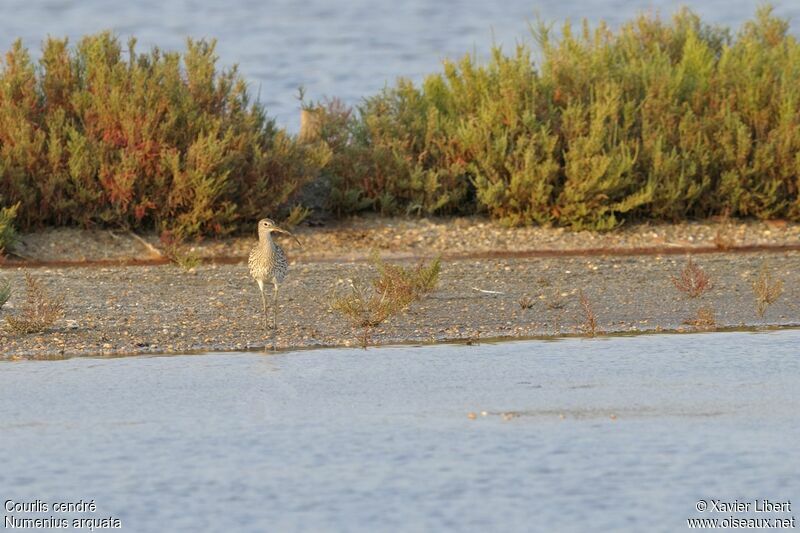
[171, 308]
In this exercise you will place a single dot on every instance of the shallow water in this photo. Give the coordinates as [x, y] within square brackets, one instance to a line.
[353, 440]
[348, 49]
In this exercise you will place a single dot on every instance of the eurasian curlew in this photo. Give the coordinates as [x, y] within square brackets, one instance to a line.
[268, 264]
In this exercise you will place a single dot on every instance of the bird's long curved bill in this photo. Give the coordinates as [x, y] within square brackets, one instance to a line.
[281, 230]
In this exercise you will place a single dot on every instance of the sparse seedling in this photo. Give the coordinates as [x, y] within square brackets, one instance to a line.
[693, 280]
[525, 302]
[366, 308]
[589, 317]
[394, 289]
[705, 318]
[5, 292]
[174, 249]
[426, 277]
[395, 285]
[40, 310]
[766, 289]
[406, 284]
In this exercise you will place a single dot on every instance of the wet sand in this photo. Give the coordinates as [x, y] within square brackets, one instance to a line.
[157, 309]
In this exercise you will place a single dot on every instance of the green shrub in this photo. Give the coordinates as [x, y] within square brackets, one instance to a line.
[664, 120]
[8, 234]
[95, 134]
[659, 120]
[5, 292]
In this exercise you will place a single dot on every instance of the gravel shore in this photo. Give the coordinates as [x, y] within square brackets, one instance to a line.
[355, 238]
[163, 309]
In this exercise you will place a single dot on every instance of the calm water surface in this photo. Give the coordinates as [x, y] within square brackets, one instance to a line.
[348, 48]
[348, 440]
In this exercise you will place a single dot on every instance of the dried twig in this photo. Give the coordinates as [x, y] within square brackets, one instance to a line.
[486, 291]
[152, 249]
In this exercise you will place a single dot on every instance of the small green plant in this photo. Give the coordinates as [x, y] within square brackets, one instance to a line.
[174, 249]
[5, 292]
[8, 235]
[366, 307]
[426, 278]
[406, 284]
[589, 325]
[395, 288]
[766, 289]
[40, 310]
[693, 281]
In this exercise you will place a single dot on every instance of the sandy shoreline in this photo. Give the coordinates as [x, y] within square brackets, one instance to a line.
[163, 309]
[355, 238]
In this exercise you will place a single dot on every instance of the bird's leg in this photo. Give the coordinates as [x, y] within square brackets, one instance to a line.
[274, 314]
[264, 301]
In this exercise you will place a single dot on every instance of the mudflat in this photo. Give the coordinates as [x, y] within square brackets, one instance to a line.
[115, 307]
